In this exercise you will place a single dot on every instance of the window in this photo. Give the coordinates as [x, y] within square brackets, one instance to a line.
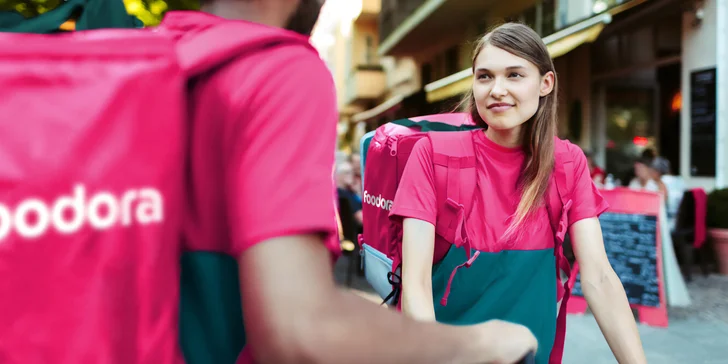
[702, 122]
[630, 127]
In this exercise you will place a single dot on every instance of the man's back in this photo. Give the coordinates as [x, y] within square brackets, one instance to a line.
[253, 126]
[260, 158]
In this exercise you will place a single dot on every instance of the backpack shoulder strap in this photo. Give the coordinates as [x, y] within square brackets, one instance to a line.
[453, 156]
[560, 192]
[559, 201]
[217, 44]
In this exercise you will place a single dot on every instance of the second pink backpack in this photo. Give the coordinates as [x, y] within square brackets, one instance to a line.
[385, 158]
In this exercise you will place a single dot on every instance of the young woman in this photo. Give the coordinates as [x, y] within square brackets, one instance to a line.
[513, 278]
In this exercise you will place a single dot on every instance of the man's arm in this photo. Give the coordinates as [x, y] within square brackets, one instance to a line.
[295, 314]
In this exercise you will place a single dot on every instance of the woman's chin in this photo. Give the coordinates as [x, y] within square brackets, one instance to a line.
[502, 125]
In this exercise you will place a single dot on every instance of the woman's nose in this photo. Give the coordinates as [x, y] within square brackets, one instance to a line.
[498, 89]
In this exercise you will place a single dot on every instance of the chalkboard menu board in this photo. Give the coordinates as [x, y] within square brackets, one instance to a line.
[702, 122]
[631, 244]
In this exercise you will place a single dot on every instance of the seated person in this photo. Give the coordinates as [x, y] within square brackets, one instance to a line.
[674, 185]
[644, 178]
[345, 189]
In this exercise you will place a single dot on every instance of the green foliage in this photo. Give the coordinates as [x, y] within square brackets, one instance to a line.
[148, 11]
[718, 209]
[29, 8]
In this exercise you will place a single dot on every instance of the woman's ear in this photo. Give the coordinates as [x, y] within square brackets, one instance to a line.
[547, 83]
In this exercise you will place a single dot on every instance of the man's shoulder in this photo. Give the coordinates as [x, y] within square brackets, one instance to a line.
[278, 67]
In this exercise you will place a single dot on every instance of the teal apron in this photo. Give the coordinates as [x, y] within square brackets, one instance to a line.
[514, 285]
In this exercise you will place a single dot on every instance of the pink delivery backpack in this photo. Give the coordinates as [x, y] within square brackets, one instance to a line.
[92, 163]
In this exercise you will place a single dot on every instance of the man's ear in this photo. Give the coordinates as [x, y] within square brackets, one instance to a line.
[547, 83]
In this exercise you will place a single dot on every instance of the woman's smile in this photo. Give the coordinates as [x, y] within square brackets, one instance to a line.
[499, 107]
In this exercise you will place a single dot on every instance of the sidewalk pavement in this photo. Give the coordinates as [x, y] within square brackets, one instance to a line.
[690, 341]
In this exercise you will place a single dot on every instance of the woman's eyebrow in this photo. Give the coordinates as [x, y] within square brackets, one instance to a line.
[509, 68]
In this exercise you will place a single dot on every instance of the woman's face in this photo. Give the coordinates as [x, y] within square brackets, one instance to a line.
[507, 88]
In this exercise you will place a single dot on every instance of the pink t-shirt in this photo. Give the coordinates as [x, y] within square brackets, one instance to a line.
[262, 148]
[496, 197]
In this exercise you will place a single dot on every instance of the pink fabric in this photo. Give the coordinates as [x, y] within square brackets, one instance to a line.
[262, 150]
[701, 205]
[497, 172]
[388, 154]
[91, 143]
[246, 357]
[587, 200]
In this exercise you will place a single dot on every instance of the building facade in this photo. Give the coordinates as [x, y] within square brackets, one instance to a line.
[633, 74]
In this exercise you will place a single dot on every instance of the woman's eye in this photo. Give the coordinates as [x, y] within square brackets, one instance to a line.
[483, 77]
[515, 75]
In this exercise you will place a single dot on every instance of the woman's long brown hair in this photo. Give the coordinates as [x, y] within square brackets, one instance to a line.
[537, 136]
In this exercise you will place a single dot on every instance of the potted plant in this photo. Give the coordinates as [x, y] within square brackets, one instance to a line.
[717, 221]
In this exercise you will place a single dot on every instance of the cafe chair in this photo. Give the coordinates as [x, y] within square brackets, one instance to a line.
[689, 236]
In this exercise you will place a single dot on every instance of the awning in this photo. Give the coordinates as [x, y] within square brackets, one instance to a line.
[566, 40]
[558, 44]
[379, 109]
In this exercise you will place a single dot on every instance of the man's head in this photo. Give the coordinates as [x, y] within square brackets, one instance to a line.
[297, 15]
[660, 167]
[305, 16]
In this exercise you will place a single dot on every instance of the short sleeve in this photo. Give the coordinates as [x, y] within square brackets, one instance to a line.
[416, 196]
[587, 200]
[279, 172]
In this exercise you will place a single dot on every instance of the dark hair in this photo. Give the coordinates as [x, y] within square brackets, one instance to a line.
[649, 154]
[645, 159]
[537, 138]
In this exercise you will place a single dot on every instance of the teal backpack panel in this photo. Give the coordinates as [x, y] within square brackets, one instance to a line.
[211, 318]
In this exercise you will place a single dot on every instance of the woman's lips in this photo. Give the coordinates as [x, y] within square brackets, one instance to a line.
[499, 107]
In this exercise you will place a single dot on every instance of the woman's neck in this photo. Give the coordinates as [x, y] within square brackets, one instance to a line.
[509, 138]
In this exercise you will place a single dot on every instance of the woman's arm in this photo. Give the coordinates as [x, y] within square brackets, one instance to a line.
[605, 294]
[418, 246]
